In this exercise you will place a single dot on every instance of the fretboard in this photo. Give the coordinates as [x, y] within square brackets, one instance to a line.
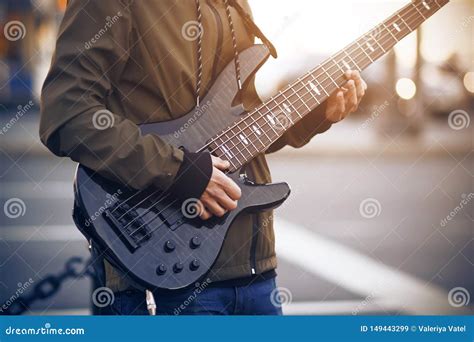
[261, 127]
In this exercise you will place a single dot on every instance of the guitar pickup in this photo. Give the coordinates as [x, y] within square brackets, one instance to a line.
[128, 225]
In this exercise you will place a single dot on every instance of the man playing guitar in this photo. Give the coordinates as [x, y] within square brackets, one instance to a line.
[140, 62]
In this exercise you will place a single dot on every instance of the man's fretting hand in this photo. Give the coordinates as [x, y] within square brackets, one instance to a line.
[346, 99]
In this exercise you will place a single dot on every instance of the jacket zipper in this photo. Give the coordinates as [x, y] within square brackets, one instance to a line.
[219, 39]
[253, 245]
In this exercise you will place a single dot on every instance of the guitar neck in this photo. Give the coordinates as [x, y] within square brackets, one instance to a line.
[258, 130]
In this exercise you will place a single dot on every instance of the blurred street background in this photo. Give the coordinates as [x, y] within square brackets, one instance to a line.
[380, 220]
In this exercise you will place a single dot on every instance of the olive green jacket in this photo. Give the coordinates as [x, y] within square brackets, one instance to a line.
[133, 58]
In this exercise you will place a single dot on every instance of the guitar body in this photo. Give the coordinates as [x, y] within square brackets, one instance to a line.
[154, 238]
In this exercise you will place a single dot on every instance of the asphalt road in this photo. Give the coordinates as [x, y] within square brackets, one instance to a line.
[334, 252]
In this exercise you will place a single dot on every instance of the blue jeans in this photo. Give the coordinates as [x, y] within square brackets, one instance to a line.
[253, 299]
[258, 298]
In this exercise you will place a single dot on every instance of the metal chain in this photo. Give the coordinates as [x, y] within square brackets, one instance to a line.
[74, 268]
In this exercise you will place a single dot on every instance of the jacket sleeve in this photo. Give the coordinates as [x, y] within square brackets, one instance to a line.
[303, 131]
[92, 49]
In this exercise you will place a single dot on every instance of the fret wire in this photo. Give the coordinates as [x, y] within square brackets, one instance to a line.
[312, 76]
[301, 99]
[352, 61]
[225, 153]
[401, 18]
[329, 76]
[390, 31]
[234, 148]
[260, 126]
[310, 91]
[320, 86]
[241, 131]
[255, 129]
[284, 108]
[270, 113]
[337, 64]
[418, 10]
[360, 47]
[248, 138]
[253, 134]
[240, 150]
[362, 59]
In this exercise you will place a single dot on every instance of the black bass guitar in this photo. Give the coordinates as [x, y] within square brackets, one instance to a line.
[160, 241]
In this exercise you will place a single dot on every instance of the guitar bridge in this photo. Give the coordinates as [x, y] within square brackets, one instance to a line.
[128, 225]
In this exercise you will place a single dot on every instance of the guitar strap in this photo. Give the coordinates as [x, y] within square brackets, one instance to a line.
[253, 28]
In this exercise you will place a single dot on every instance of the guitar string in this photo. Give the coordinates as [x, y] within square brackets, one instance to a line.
[337, 71]
[291, 87]
[411, 10]
[275, 96]
[331, 59]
